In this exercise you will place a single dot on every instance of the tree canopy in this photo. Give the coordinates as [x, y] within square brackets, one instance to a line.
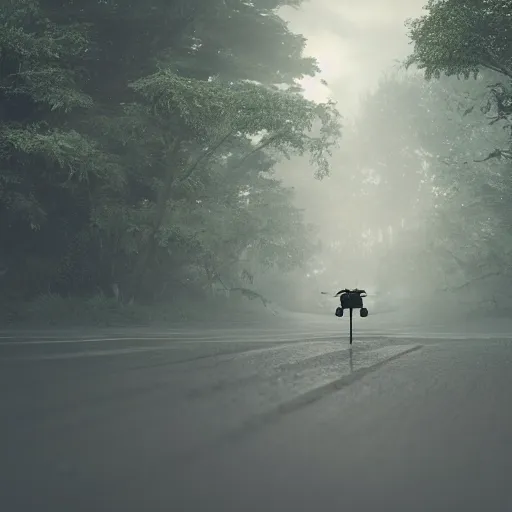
[446, 152]
[458, 37]
[138, 142]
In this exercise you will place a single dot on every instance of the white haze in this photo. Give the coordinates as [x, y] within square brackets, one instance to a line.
[355, 43]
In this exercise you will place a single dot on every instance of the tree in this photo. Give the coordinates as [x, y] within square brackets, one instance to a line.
[49, 171]
[220, 116]
[113, 137]
[454, 229]
[459, 37]
[474, 39]
[463, 38]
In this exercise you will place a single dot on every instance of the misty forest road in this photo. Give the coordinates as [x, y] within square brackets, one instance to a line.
[255, 420]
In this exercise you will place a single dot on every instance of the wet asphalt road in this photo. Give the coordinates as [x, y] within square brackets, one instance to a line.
[284, 419]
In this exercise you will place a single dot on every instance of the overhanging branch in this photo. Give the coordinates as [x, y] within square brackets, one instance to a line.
[205, 156]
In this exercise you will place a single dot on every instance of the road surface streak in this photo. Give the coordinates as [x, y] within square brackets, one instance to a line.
[260, 419]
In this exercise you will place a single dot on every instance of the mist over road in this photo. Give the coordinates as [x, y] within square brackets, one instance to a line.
[267, 418]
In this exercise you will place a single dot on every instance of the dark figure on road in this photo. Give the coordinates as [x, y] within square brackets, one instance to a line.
[351, 299]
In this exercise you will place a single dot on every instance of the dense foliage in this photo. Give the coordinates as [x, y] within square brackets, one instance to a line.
[464, 39]
[138, 141]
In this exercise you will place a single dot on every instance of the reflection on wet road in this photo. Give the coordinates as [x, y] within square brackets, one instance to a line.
[210, 419]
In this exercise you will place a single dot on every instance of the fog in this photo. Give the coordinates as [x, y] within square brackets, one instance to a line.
[393, 215]
[187, 170]
[184, 187]
[354, 43]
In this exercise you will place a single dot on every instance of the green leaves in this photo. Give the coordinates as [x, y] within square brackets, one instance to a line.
[71, 152]
[137, 142]
[214, 111]
[459, 38]
[38, 57]
[53, 87]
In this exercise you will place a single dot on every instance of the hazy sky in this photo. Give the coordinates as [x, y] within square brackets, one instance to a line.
[355, 41]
